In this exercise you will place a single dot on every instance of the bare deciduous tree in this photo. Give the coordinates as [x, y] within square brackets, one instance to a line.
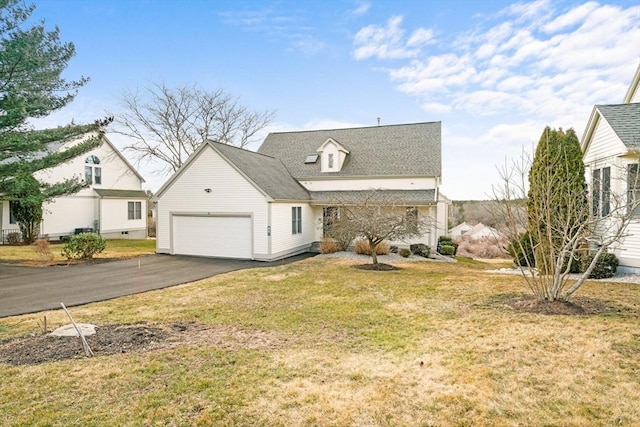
[168, 124]
[377, 217]
[562, 239]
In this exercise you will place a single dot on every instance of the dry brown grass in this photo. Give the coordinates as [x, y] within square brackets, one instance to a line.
[43, 253]
[362, 247]
[433, 344]
[328, 246]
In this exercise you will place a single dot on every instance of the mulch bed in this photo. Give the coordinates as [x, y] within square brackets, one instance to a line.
[128, 338]
[376, 267]
[578, 306]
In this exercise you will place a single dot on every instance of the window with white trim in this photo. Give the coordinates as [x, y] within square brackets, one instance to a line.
[12, 217]
[296, 220]
[601, 192]
[633, 189]
[92, 170]
[134, 210]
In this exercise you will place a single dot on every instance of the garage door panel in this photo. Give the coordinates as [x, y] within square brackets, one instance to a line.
[215, 236]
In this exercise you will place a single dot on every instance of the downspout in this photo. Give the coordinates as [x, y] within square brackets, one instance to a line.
[269, 231]
[99, 227]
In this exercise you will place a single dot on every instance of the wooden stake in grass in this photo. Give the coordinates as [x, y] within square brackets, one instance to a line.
[85, 344]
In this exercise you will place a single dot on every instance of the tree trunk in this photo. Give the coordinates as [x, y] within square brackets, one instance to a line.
[373, 247]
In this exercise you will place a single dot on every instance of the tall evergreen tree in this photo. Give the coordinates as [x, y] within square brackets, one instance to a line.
[32, 60]
[557, 205]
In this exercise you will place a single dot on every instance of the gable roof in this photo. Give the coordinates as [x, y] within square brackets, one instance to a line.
[393, 150]
[265, 172]
[624, 119]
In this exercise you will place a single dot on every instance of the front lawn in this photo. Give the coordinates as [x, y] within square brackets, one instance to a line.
[116, 249]
[318, 342]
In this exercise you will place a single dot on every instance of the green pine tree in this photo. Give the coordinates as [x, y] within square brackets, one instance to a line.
[557, 204]
[32, 60]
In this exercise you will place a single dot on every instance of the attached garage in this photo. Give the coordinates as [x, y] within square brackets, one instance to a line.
[212, 236]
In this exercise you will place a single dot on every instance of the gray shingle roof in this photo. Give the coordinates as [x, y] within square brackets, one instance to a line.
[266, 172]
[133, 194]
[395, 150]
[404, 197]
[624, 119]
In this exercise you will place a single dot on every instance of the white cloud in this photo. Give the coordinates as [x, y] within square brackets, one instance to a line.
[510, 65]
[361, 8]
[420, 37]
[309, 46]
[499, 84]
[571, 18]
[388, 42]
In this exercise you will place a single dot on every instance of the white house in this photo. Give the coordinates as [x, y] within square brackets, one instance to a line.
[460, 230]
[611, 149]
[270, 204]
[113, 204]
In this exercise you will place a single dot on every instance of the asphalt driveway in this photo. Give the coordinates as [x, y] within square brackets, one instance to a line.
[31, 289]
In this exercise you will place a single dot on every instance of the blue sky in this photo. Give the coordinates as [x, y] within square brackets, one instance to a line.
[494, 72]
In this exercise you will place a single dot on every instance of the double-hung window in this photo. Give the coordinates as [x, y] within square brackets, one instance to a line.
[92, 170]
[12, 217]
[296, 220]
[633, 189]
[601, 192]
[134, 210]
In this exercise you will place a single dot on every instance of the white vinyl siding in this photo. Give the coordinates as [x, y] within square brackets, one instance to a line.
[114, 215]
[230, 194]
[339, 184]
[282, 239]
[62, 216]
[629, 249]
[604, 143]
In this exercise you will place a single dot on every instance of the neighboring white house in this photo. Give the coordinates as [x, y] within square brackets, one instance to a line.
[234, 203]
[113, 204]
[611, 146]
[460, 230]
[478, 231]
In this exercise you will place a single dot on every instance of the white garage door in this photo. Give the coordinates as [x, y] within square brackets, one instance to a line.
[214, 236]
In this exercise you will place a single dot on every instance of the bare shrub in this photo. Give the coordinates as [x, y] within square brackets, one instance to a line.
[14, 238]
[151, 227]
[328, 246]
[362, 247]
[486, 247]
[42, 248]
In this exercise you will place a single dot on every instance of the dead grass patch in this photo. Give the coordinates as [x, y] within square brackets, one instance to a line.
[127, 338]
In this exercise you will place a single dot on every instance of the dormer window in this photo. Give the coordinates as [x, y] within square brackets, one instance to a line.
[332, 156]
[92, 170]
